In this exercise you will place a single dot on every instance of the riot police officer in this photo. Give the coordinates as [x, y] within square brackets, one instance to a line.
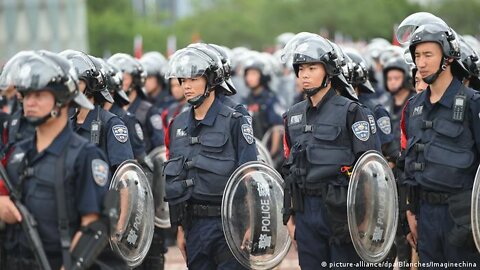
[442, 133]
[205, 144]
[135, 133]
[102, 128]
[55, 154]
[134, 76]
[323, 134]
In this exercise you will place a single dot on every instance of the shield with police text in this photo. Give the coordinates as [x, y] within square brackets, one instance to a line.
[133, 233]
[263, 153]
[475, 211]
[372, 207]
[162, 215]
[252, 218]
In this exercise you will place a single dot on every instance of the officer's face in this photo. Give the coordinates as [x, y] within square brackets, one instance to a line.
[394, 80]
[311, 75]
[420, 85]
[127, 81]
[38, 103]
[193, 87]
[176, 88]
[151, 84]
[428, 56]
[252, 78]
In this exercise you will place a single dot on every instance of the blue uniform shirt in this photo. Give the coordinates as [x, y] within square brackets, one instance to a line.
[86, 182]
[114, 140]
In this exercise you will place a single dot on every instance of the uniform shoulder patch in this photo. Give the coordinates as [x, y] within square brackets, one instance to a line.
[120, 132]
[139, 131]
[384, 124]
[361, 130]
[247, 132]
[100, 172]
[156, 121]
[371, 120]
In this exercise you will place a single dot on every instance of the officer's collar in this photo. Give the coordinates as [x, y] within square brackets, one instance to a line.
[92, 115]
[134, 105]
[59, 143]
[115, 109]
[448, 96]
[330, 93]
[209, 117]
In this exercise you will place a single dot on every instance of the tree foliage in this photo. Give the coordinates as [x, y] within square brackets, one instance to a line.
[255, 23]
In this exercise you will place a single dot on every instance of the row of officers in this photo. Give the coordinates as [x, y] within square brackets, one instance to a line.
[79, 117]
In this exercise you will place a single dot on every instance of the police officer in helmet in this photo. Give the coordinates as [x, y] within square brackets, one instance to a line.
[48, 84]
[443, 137]
[99, 126]
[205, 144]
[324, 135]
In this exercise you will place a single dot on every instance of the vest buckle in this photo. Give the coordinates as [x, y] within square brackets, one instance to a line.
[308, 128]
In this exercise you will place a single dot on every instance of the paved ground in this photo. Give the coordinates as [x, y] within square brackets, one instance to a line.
[175, 260]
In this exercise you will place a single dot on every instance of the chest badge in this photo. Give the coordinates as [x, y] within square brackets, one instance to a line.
[417, 110]
[295, 119]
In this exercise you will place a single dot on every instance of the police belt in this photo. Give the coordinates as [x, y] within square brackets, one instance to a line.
[433, 197]
[204, 210]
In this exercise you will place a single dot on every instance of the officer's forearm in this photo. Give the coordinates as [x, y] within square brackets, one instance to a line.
[87, 219]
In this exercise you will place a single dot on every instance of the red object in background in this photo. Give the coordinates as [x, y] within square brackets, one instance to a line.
[138, 46]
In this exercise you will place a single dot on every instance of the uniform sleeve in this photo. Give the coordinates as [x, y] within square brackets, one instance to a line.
[274, 112]
[243, 139]
[119, 147]
[384, 125]
[92, 181]
[475, 123]
[155, 127]
[359, 128]
[136, 137]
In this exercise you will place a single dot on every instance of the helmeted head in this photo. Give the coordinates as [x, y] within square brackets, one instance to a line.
[134, 73]
[308, 48]
[397, 74]
[31, 71]
[358, 72]
[257, 71]
[89, 71]
[114, 82]
[421, 28]
[155, 65]
[193, 63]
[470, 60]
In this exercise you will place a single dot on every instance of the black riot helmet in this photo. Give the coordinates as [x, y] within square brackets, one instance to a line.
[424, 27]
[114, 83]
[89, 70]
[127, 64]
[398, 63]
[155, 65]
[311, 48]
[43, 70]
[190, 63]
[358, 72]
[471, 62]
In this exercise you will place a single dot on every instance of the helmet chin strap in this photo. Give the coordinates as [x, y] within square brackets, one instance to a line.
[433, 77]
[312, 91]
[198, 100]
[37, 121]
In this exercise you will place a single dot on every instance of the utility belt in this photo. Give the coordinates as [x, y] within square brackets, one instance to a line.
[204, 210]
[433, 197]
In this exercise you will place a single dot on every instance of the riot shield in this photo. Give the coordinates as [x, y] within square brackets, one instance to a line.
[252, 218]
[162, 215]
[133, 234]
[475, 214]
[263, 153]
[372, 207]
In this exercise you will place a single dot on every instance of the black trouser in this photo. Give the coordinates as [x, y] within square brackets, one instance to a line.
[155, 259]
